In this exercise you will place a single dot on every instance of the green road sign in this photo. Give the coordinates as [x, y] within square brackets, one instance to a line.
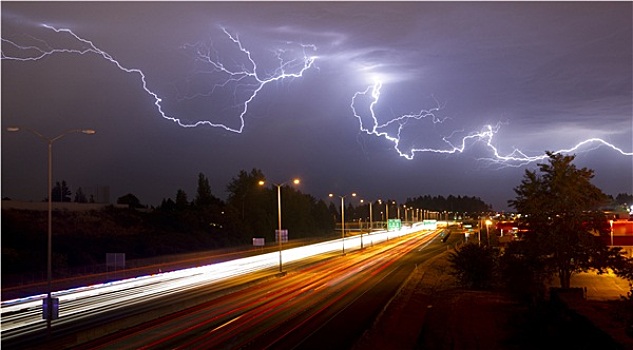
[394, 224]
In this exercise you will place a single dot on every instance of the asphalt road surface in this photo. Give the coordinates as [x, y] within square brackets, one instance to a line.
[328, 304]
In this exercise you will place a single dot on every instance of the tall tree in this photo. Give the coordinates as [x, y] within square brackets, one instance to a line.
[80, 196]
[181, 200]
[60, 192]
[559, 206]
[244, 189]
[208, 211]
[204, 197]
[251, 205]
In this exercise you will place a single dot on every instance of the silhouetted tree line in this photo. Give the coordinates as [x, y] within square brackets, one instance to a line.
[462, 204]
[181, 224]
[62, 193]
[623, 201]
[250, 210]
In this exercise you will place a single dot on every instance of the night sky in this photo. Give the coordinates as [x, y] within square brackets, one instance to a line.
[465, 96]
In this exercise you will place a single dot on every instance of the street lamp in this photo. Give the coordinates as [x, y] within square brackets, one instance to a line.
[387, 214]
[611, 225]
[261, 183]
[47, 306]
[342, 217]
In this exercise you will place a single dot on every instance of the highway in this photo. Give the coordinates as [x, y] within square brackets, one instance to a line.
[247, 315]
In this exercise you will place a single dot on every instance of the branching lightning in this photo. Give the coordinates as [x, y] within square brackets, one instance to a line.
[246, 75]
[369, 124]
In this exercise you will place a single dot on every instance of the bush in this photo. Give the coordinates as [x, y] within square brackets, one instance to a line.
[474, 266]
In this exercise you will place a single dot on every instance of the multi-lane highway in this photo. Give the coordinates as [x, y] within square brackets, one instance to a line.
[264, 314]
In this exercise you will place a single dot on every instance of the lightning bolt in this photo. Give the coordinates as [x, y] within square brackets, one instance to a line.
[246, 77]
[369, 124]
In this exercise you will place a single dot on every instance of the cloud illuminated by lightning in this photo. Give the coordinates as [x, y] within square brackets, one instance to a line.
[246, 77]
[392, 131]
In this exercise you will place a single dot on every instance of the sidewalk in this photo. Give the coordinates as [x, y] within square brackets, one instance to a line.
[603, 287]
[598, 306]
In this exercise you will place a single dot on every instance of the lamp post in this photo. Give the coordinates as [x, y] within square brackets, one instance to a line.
[371, 217]
[47, 306]
[611, 225]
[405, 213]
[384, 217]
[371, 222]
[279, 243]
[387, 215]
[331, 195]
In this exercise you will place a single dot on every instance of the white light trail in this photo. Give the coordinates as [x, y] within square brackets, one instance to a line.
[88, 300]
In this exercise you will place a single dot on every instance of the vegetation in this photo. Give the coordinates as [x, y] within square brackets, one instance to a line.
[560, 206]
[181, 224]
[474, 266]
[81, 238]
[60, 192]
[451, 203]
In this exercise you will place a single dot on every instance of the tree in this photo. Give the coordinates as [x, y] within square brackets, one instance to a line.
[181, 200]
[452, 204]
[333, 213]
[61, 192]
[208, 210]
[622, 202]
[559, 206]
[80, 196]
[473, 265]
[244, 190]
[204, 198]
[624, 199]
[251, 205]
[322, 217]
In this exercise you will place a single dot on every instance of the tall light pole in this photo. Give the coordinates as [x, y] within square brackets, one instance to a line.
[387, 214]
[47, 306]
[331, 195]
[611, 225]
[405, 213]
[371, 222]
[296, 182]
